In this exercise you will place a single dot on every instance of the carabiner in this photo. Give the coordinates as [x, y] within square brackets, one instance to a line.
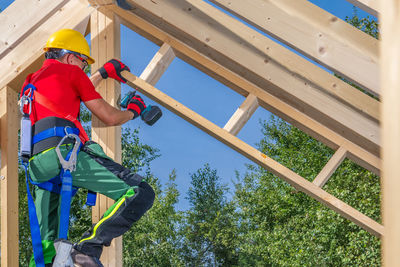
[25, 100]
[69, 164]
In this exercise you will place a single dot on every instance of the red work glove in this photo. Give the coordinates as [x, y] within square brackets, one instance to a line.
[113, 70]
[136, 106]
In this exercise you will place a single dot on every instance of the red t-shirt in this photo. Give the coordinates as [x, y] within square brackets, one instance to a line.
[64, 85]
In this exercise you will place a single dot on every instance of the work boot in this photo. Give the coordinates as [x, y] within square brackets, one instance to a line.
[83, 260]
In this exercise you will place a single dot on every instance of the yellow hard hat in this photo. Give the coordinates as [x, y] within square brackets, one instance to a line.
[70, 40]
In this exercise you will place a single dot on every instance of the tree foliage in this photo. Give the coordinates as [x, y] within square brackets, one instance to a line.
[283, 227]
[209, 227]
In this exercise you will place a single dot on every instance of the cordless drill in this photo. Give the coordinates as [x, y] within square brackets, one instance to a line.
[150, 115]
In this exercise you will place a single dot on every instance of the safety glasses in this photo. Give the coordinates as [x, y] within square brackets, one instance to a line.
[82, 58]
[79, 56]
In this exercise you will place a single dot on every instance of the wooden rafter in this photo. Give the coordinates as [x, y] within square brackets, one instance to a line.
[244, 87]
[317, 34]
[245, 51]
[253, 154]
[105, 42]
[27, 55]
[35, 13]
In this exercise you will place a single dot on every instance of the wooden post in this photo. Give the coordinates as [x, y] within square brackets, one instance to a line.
[9, 177]
[390, 82]
[105, 41]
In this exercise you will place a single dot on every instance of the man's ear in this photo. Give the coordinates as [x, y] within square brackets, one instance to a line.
[64, 59]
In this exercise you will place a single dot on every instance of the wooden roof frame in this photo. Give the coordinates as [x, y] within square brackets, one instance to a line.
[245, 60]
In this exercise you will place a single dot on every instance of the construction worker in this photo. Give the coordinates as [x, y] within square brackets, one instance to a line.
[63, 85]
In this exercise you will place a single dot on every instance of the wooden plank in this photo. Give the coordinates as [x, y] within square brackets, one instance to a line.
[244, 87]
[242, 115]
[101, 2]
[9, 177]
[29, 53]
[330, 167]
[319, 35]
[158, 65]
[105, 41]
[262, 61]
[14, 27]
[370, 6]
[253, 154]
[390, 71]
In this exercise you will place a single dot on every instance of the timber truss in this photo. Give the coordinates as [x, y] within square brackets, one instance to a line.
[263, 71]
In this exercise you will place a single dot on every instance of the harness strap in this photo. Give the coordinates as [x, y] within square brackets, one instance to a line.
[66, 197]
[55, 131]
[53, 185]
[34, 225]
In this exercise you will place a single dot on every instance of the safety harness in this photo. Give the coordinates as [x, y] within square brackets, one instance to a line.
[60, 184]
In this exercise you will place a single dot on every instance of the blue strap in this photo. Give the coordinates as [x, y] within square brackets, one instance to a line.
[55, 131]
[29, 86]
[34, 225]
[66, 196]
[91, 198]
[52, 185]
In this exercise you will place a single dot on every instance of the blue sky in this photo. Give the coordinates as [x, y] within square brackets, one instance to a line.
[182, 146]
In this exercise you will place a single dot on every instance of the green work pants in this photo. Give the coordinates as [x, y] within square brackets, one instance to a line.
[96, 172]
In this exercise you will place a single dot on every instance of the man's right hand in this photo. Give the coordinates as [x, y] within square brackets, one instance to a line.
[136, 106]
[113, 69]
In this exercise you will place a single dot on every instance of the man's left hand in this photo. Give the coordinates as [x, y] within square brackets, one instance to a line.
[113, 69]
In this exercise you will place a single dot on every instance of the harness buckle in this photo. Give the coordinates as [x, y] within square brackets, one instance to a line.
[69, 164]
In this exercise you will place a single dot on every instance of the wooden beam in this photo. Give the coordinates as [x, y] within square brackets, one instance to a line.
[319, 35]
[253, 154]
[28, 55]
[262, 62]
[105, 42]
[9, 177]
[14, 27]
[390, 71]
[101, 2]
[330, 167]
[370, 6]
[158, 65]
[242, 115]
[244, 87]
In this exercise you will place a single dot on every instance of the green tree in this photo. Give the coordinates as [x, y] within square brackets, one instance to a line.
[366, 24]
[283, 227]
[210, 225]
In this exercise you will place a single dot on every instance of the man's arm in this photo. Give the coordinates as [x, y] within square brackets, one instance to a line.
[96, 78]
[108, 114]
